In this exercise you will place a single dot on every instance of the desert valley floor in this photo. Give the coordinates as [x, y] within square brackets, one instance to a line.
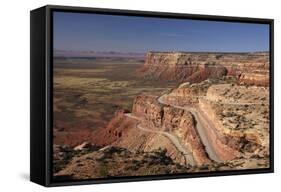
[167, 113]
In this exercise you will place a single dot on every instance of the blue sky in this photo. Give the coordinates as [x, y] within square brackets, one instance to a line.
[94, 32]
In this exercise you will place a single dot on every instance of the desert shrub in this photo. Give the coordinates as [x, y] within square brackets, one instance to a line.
[103, 171]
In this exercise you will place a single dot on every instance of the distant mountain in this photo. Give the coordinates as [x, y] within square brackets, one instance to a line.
[69, 53]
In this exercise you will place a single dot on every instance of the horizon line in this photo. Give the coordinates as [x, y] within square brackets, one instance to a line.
[155, 51]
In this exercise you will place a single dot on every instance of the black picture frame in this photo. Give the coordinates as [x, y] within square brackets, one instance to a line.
[41, 83]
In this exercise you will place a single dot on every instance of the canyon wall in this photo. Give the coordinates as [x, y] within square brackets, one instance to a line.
[197, 66]
[235, 116]
[122, 131]
[241, 114]
[259, 79]
[148, 108]
[166, 118]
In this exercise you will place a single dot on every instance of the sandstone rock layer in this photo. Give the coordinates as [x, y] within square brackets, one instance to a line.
[196, 67]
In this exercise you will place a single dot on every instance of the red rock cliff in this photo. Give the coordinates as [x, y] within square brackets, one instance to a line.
[196, 67]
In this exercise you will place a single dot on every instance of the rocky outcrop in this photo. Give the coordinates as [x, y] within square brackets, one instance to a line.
[182, 123]
[148, 108]
[258, 79]
[237, 94]
[236, 117]
[198, 66]
[172, 120]
[241, 115]
[187, 93]
[121, 131]
[222, 144]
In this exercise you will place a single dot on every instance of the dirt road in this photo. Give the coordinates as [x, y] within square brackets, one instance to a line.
[187, 154]
[199, 127]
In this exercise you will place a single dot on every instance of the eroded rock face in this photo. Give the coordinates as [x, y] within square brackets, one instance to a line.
[242, 114]
[167, 118]
[196, 67]
[258, 79]
[236, 117]
[147, 107]
[187, 94]
[122, 131]
[182, 123]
